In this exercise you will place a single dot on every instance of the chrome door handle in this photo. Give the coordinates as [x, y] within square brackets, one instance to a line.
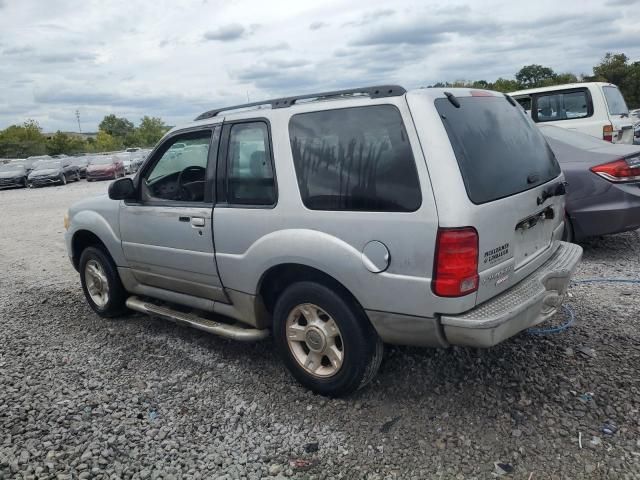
[197, 222]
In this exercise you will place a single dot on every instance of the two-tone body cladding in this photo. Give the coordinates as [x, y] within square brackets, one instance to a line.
[337, 221]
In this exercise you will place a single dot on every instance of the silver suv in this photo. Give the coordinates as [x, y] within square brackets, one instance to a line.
[337, 221]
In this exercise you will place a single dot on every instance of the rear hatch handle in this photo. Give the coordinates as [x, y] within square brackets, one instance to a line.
[553, 191]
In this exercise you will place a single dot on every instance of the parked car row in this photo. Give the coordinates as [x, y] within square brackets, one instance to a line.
[44, 170]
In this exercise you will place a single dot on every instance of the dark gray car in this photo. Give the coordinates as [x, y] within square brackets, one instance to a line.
[604, 183]
[13, 175]
[47, 172]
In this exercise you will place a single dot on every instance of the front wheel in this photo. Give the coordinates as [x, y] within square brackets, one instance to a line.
[101, 284]
[325, 340]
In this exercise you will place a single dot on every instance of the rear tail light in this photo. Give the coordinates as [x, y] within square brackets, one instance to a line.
[623, 170]
[607, 133]
[456, 263]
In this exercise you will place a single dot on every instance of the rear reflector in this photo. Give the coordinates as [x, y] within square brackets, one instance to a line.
[607, 133]
[456, 264]
[619, 170]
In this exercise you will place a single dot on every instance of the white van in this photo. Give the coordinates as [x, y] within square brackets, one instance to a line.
[595, 108]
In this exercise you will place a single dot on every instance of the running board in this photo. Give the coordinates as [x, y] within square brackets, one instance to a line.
[222, 329]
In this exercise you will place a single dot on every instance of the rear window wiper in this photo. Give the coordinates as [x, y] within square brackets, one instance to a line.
[452, 98]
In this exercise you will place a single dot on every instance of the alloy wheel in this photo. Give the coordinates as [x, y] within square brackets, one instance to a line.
[315, 340]
[97, 283]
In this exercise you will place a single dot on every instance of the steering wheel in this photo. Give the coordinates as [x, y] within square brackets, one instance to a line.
[192, 173]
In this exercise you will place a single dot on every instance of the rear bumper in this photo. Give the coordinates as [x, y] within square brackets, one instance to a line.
[606, 219]
[533, 300]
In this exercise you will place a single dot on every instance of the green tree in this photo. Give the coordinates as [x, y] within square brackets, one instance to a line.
[19, 141]
[107, 143]
[116, 126]
[65, 143]
[616, 69]
[505, 85]
[150, 130]
[531, 76]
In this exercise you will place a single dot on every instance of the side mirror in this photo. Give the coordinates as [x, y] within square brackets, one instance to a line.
[122, 189]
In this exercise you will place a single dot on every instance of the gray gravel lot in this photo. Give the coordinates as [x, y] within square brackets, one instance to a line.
[83, 397]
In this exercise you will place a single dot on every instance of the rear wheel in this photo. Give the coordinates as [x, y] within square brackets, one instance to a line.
[101, 284]
[325, 340]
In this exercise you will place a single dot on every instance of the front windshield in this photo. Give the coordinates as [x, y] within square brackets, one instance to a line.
[11, 168]
[102, 161]
[48, 164]
[615, 101]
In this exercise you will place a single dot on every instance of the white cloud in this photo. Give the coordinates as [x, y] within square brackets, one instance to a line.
[133, 57]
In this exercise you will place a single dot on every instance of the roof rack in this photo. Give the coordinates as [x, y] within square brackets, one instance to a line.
[379, 91]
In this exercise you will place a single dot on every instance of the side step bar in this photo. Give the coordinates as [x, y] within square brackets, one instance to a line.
[190, 320]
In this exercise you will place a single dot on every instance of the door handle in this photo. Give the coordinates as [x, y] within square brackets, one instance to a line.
[197, 222]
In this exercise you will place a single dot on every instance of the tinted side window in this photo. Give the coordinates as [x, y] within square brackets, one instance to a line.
[250, 179]
[354, 159]
[562, 106]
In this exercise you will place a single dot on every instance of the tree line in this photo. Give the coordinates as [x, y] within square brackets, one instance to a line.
[115, 133]
[614, 68]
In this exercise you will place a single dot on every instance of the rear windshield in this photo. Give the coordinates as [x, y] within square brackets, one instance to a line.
[615, 101]
[499, 151]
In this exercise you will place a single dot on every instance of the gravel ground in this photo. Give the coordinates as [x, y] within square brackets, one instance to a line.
[83, 397]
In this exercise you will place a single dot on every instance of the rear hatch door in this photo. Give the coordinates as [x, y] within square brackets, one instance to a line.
[513, 181]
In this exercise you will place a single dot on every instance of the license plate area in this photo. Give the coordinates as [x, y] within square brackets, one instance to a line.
[533, 236]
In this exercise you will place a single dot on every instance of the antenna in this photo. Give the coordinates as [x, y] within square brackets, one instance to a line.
[78, 118]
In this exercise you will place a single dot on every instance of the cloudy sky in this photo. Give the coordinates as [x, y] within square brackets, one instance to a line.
[174, 59]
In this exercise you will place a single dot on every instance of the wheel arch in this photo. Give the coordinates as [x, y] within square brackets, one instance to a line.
[278, 277]
[83, 239]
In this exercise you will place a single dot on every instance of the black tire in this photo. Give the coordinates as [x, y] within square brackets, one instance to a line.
[567, 234]
[361, 345]
[115, 306]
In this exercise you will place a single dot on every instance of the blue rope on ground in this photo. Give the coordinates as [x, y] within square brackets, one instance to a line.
[560, 328]
[568, 310]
